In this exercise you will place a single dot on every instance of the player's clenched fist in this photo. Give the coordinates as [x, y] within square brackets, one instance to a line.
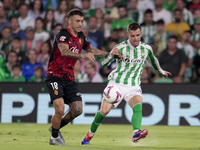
[90, 56]
[115, 51]
[116, 54]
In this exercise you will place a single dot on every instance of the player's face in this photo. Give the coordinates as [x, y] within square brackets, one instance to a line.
[16, 71]
[160, 28]
[148, 18]
[197, 27]
[186, 37]
[122, 12]
[135, 37]
[172, 44]
[38, 73]
[180, 4]
[133, 4]
[76, 23]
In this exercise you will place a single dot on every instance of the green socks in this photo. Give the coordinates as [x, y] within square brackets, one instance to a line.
[97, 121]
[137, 117]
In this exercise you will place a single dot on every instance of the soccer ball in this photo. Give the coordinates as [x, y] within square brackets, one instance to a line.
[112, 94]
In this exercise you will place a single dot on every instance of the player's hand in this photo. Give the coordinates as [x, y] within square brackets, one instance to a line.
[90, 56]
[165, 75]
[116, 54]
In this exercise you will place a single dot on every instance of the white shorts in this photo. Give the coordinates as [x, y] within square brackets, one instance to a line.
[127, 92]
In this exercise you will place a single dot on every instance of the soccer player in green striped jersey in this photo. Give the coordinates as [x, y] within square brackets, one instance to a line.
[126, 76]
[195, 39]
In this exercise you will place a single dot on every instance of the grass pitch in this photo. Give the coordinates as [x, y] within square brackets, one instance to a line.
[26, 136]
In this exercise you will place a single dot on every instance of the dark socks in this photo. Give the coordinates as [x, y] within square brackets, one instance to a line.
[55, 132]
[63, 123]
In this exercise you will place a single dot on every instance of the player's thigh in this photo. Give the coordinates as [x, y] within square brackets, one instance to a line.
[105, 107]
[133, 96]
[59, 106]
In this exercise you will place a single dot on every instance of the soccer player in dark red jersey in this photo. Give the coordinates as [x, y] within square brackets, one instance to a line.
[60, 81]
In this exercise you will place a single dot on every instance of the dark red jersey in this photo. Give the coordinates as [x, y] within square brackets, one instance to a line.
[62, 66]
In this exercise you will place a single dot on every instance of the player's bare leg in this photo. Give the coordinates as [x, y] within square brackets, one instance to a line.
[136, 104]
[56, 139]
[99, 117]
[75, 111]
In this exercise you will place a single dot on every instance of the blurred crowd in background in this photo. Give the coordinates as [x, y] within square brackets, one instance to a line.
[171, 27]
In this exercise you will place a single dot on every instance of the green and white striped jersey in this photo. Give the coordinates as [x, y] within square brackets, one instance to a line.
[148, 32]
[82, 77]
[129, 70]
[196, 37]
[188, 17]
[188, 49]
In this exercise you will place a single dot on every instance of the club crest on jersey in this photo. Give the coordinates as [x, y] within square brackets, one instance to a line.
[80, 41]
[142, 53]
[55, 92]
[62, 38]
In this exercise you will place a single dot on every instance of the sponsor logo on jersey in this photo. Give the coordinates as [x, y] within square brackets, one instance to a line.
[74, 49]
[78, 94]
[128, 60]
[62, 38]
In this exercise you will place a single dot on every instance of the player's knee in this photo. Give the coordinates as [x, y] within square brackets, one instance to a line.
[59, 112]
[104, 111]
[79, 112]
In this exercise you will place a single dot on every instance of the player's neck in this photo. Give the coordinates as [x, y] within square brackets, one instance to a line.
[73, 32]
[184, 42]
[16, 76]
[77, 72]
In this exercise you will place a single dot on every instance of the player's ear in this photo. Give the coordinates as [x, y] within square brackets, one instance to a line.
[70, 20]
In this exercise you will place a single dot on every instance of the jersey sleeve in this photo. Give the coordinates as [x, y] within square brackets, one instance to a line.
[86, 44]
[154, 61]
[108, 59]
[62, 38]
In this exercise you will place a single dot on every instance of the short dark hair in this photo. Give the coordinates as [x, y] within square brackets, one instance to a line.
[133, 26]
[16, 38]
[173, 37]
[120, 29]
[75, 11]
[38, 68]
[7, 27]
[177, 10]
[42, 20]
[13, 17]
[12, 51]
[182, 1]
[22, 4]
[121, 6]
[16, 66]
[188, 31]
[58, 24]
[148, 11]
[160, 22]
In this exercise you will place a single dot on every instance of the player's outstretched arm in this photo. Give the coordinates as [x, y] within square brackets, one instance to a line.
[97, 52]
[64, 50]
